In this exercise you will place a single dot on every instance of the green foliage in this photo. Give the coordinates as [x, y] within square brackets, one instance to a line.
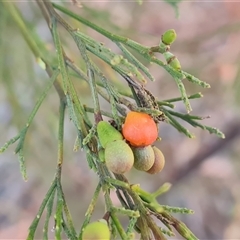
[174, 4]
[138, 205]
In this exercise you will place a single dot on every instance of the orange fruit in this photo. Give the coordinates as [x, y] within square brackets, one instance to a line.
[139, 129]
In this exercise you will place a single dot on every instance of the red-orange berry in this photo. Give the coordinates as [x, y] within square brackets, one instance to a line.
[139, 129]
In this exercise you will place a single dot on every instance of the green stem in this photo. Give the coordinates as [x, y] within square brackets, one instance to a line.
[61, 199]
[135, 61]
[148, 222]
[155, 230]
[81, 74]
[91, 110]
[90, 70]
[196, 95]
[176, 124]
[165, 103]
[183, 93]
[116, 221]
[90, 209]
[66, 229]
[163, 189]
[177, 209]
[182, 229]
[49, 213]
[76, 108]
[104, 32]
[36, 220]
[113, 96]
[22, 164]
[195, 80]
[63, 69]
[59, 211]
[9, 142]
[62, 108]
[68, 215]
[118, 183]
[190, 119]
[127, 212]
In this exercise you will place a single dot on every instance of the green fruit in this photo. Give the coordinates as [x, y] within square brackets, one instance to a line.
[119, 157]
[143, 158]
[169, 37]
[107, 133]
[159, 161]
[172, 60]
[96, 231]
[174, 63]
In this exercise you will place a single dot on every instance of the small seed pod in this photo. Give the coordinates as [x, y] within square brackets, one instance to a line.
[143, 158]
[169, 37]
[97, 230]
[107, 133]
[139, 129]
[172, 61]
[159, 161]
[119, 157]
[175, 64]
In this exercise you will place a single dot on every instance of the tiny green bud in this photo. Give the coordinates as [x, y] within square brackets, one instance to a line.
[169, 37]
[116, 59]
[172, 60]
[175, 64]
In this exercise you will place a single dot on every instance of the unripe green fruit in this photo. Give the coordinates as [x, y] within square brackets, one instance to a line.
[96, 231]
[131, 236]
[119, 157]
[172, 60]
[107, 133]
[143, 157]
[174, 63]
[159, 161]
[169, 37]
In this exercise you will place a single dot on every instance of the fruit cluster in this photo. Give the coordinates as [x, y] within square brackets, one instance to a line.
[132, 147]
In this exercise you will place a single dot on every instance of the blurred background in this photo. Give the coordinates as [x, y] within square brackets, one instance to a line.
[205, 171]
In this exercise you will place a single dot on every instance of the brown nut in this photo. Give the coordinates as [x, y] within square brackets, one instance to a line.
[159, 161]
